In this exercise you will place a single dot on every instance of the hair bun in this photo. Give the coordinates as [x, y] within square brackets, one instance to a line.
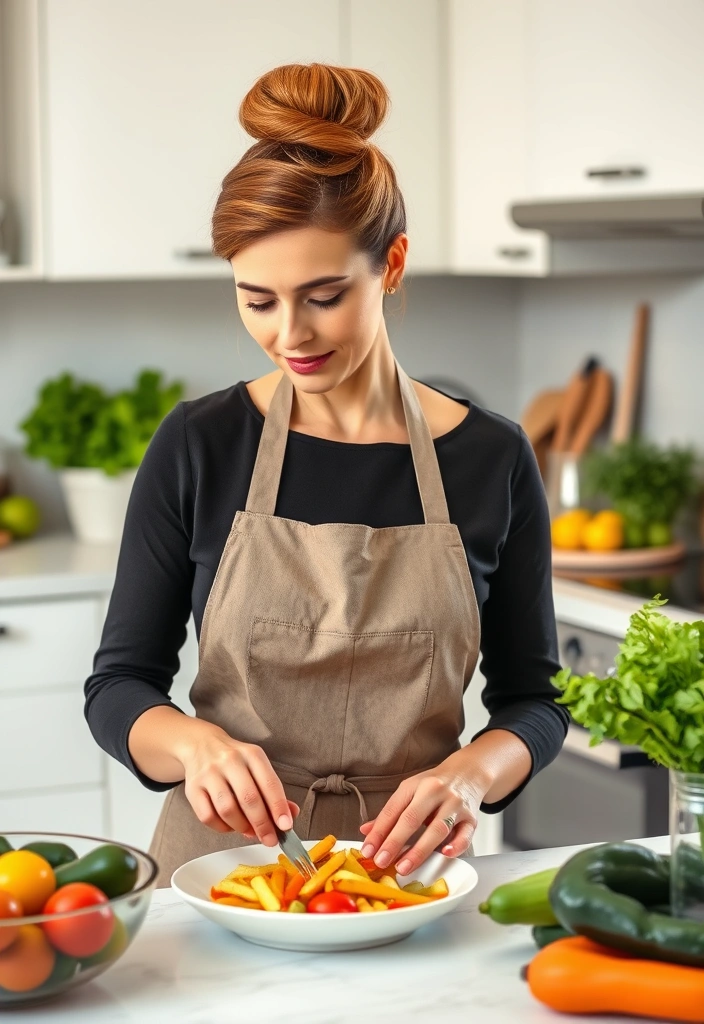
[331, 109]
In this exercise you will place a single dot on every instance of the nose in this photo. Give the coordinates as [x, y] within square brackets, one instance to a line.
[293, 328]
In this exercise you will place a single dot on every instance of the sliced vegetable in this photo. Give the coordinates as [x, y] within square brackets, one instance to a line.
[266, 897]
[55, 853]
[293, 887]
[27, 877]
[296, 907]
[362, 887]
[524, 901]
[322, 849]
[575, 975]
[332, 903]
[317, 882]
[113, 869]
[604, 893]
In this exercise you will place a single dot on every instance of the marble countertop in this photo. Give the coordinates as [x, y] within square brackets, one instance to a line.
[182, 969]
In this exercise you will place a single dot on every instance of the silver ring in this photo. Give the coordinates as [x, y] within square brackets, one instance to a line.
[450, 821]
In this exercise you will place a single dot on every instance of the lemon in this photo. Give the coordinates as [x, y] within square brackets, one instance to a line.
[567, 529]
[20, 515]
[604, 532]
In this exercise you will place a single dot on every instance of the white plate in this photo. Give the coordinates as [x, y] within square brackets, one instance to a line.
[317, 933]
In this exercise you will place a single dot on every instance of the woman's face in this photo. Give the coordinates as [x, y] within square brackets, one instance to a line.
[310, 301]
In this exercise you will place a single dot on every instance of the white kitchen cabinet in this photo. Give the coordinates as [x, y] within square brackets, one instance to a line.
[141, 105]
[47, 643]
[408, 54]
[612, 87]
[489, 139]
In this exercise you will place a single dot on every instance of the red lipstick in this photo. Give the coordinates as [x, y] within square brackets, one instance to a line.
[309, 364]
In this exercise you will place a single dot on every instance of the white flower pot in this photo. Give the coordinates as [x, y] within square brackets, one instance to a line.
[96, 503]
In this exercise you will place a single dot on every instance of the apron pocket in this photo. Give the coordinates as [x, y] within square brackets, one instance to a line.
[338, 702]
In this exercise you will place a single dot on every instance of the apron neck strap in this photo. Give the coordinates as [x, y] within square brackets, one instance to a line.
[266, 476]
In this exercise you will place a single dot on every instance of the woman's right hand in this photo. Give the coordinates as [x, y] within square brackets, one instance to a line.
[232, 786]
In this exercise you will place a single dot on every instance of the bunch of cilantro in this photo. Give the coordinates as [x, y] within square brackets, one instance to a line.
[655, 699]
[77, 424]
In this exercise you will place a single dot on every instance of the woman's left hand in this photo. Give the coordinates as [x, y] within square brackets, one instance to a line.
[454, 790]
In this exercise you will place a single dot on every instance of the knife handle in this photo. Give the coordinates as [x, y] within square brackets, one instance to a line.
[572, 405]
[596, 410]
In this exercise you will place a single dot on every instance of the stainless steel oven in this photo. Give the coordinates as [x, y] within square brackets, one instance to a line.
[589, 794]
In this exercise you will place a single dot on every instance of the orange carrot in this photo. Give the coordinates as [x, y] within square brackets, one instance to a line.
[293, 888]
[576, 975]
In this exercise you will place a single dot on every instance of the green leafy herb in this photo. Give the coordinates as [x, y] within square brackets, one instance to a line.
[76, 424]
[655, 699]
[644, 482]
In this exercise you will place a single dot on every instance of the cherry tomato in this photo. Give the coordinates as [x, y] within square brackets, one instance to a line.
[9, 907]
[27, 877]
[84, 934]
[28, 962]
[332, 903]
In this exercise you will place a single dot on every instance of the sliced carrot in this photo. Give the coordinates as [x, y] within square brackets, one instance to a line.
[278, 882]
[293, 887]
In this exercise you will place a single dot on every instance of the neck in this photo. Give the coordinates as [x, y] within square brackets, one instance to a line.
[365, 406]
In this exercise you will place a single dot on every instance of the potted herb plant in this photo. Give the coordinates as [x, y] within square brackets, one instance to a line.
[655, 700]
[96, 441]
[646, 483]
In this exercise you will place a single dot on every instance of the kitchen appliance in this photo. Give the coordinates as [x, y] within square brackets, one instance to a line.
[589, 794]
[639, 217]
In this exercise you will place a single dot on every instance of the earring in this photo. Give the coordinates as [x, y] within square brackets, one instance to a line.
[390, 291]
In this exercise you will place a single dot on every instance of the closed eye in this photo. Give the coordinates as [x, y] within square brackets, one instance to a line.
[262, 307]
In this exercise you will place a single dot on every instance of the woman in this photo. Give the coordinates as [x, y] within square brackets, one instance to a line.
[338, 531]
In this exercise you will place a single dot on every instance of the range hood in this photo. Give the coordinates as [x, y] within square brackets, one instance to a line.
[632, 217]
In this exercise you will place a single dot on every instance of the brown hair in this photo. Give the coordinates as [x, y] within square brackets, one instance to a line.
[312, 165]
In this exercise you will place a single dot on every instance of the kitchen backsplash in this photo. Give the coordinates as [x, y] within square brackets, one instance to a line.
[453, 327]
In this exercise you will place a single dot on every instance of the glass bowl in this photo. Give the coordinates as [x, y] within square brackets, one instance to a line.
[43, 955]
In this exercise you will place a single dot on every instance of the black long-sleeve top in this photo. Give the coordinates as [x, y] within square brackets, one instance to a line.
[196, 475]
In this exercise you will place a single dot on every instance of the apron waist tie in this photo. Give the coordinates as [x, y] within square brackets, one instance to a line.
[339, 785]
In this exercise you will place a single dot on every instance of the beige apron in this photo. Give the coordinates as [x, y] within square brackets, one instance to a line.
[343, 651]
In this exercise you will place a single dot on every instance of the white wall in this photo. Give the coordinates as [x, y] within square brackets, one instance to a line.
[562, 321]
[453, 327]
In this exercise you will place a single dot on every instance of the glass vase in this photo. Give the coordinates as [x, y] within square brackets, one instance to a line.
[687, 844]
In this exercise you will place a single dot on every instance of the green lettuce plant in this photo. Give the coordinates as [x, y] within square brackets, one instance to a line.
[77, 424]
[654, 699]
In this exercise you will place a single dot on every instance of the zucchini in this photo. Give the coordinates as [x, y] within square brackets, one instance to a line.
[56, 853]
[113, 869]
[524, 901]
[4, 846]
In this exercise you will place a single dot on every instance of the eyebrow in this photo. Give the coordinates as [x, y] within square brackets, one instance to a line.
[299, 288]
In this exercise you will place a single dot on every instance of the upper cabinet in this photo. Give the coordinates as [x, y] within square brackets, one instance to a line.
[408, 54]
[141, 103]
[489, 138]
[614, 95]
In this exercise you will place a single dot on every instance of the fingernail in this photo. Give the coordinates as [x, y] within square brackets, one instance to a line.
[447, 849]
[285, 821]
[367, 850]
[404, 867]
[382, 859]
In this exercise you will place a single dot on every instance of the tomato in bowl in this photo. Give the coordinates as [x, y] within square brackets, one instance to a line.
[69, 908]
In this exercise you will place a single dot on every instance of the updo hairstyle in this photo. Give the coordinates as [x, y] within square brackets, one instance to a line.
[313, 165]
